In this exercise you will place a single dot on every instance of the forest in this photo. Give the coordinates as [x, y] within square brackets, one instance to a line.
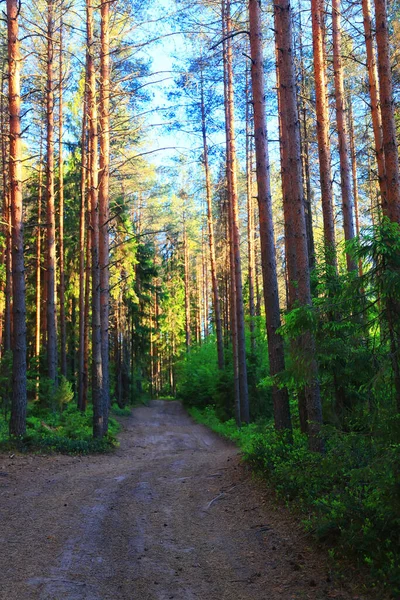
[200, 202]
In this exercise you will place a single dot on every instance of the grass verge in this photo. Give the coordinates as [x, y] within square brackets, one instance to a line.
[349, 498]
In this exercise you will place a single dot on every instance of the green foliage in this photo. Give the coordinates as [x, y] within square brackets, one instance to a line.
[200, 382]
[63, 393]
[349, 496]
[67, 432]
[353, 320]
[197, 375]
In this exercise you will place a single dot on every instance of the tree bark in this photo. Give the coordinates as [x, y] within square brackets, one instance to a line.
[391, 208]
[38, 254]
[268, 258]
[355, 180]
[375, 99]
[86, 322]
[97, 373]
[82, 375]
[343, 138]
[233, 199]
[104, 201]
[63, 329]
[210, 225]
[19, 383]
[322, 115]
[7, 232]
[50, 218]
[305, 150]
[187, 288]
[292, 188]
[250, 215]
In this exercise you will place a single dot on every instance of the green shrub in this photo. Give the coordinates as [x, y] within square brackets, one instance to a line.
[121, 412]
[197, 375]
[200, 382]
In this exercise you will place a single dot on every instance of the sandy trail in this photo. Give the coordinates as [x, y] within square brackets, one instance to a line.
[172, 514]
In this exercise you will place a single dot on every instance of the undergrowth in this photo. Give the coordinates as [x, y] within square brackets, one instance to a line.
[349, 497]
[67, 432]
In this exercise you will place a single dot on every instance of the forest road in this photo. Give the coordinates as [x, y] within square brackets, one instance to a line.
[172, 514]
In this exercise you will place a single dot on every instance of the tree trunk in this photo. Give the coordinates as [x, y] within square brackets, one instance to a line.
[267, 237]
[104, 200]
[250, 215]
[187, 288]
[355, 181]
[375, 99]
[292, 188]
[63, 329]
[343, 138]
[231, 312]
[205, 285]
[97, 374]
[38, 254]
[38, 267]
[19, 397]
[7, 231]
[50, 219]
[86, 322]
[211, 242]
[233, 199]
[391, 208]
[305, 150]
[82, 375]
[322, 115]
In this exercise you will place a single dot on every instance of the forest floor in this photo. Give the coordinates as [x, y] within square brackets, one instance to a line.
[171, 514]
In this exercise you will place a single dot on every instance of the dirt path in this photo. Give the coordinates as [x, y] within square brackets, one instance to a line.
[171, 515]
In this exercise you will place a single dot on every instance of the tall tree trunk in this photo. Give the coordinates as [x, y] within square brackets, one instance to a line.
[39, 253]
[19, 397]
[63, 329]
[354, 176]
[233, 199]
[211, 242]
[82, 222]
[97, 374]
[7, 229]
[187, 286]
[267, 237]
[391, 207]
[50, 218]
[86, 321]
[375, 99]
[104, 200]
[292, 188]
[205, 285]
[38, 267]
[199, 311]
[250, 214]
[4, 170]
[305, 150]
[344, 151]
[231, 312]
[322, 115]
